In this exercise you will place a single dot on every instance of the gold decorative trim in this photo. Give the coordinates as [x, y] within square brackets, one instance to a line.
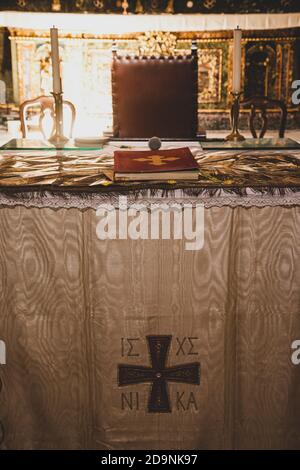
[210, 67]
[289, 69]
[204, 37]
[278, 85]
[157, 43]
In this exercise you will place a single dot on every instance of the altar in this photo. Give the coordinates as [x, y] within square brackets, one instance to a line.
[150, 271]
[216, 324]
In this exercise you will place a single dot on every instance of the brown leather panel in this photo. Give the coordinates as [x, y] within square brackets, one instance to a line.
[155, 96]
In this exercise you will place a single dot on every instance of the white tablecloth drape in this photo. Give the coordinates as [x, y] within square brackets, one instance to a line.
[120, 24]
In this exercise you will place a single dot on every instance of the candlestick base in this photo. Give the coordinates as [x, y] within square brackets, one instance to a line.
[235, 135]
[58, 139]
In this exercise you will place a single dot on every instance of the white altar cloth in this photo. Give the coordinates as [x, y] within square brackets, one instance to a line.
[121, 24]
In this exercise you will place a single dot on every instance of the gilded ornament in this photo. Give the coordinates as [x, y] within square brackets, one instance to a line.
[209, 4]
[56, 5]
[21, 3]
[157, 43]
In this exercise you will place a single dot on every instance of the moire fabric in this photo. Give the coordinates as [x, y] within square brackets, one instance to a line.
[74, 308]
[78, 314]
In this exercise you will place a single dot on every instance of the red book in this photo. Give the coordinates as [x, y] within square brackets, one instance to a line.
[155, 165]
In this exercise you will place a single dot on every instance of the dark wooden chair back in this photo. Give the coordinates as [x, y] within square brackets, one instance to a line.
[155, 96]
[262, 104]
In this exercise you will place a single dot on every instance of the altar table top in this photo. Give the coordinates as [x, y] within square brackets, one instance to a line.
[79, 178]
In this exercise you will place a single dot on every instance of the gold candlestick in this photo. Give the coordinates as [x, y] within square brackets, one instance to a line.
[139, 7]
[56, 5]
[58, 137]
[170, 7]
[235, 136]
[125, 6]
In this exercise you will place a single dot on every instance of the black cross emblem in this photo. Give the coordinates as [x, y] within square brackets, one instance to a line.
[159, 374]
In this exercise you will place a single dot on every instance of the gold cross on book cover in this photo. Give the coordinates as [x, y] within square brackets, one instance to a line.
[156, 160]
[174, 164]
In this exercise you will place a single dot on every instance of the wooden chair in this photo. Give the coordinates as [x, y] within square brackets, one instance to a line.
[262, 104]
[46, 107]
[155, 96]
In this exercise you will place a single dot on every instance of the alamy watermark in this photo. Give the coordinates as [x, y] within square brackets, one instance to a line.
[2, 352]
[296, 93]
[152, 222]
[295, 358]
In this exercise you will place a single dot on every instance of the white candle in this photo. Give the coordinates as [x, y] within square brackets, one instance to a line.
[237, 60]
[55, 60]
